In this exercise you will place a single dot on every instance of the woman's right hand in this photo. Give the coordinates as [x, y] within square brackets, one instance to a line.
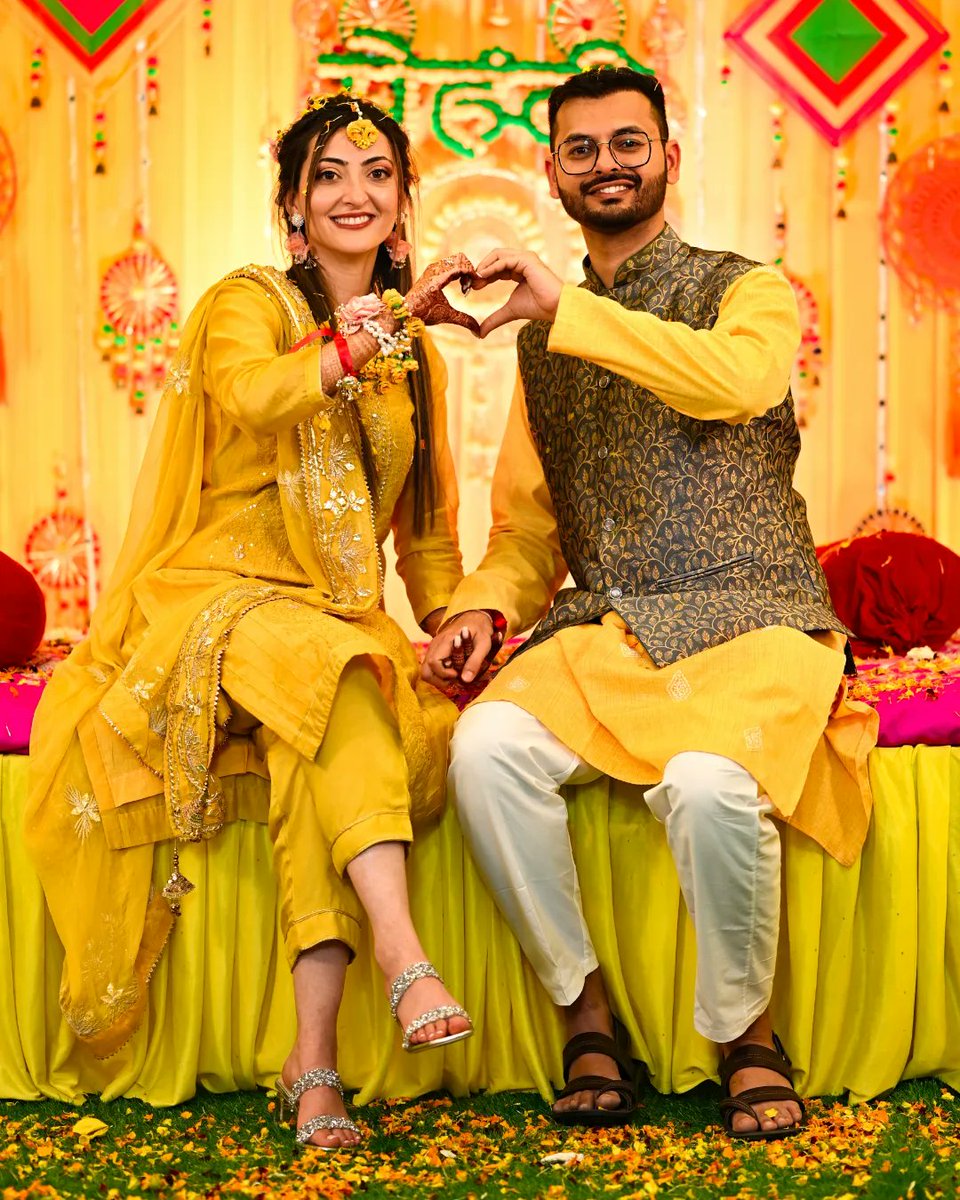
[427, 301]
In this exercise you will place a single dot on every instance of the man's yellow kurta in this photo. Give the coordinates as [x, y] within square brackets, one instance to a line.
[771, 699]
[253, 555]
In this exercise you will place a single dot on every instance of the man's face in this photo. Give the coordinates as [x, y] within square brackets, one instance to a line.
[610, 197]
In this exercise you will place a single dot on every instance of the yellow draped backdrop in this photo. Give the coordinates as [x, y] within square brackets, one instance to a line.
[208, 205]
[867, 988]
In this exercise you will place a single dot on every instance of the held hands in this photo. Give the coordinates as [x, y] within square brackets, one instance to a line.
[427, 301]
[536, 296]
[461, 650]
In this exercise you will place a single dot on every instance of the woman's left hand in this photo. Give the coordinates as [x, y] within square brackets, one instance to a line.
[427, 301]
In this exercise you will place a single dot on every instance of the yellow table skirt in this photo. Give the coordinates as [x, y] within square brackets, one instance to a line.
[867, 990]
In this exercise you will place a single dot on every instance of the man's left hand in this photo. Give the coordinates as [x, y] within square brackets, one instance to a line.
[536, 296]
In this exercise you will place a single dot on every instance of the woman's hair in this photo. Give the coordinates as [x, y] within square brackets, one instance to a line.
[293, 147]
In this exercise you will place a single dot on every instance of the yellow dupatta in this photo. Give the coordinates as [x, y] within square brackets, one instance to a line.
[99, 893]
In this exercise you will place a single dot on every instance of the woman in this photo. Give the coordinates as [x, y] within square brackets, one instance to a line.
[243, 629]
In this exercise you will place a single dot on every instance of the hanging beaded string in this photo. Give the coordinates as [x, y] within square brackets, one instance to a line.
[206, 27]
[38, 70]
[153, 87]
[806, 365]
[841, 164]
[888, 132]
[945, 80]
[100, 140]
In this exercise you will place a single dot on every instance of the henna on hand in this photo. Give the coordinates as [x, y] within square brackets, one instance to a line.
[427, 301]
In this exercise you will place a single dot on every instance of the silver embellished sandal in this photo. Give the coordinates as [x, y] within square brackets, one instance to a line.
[407, 977]
[288, 1104]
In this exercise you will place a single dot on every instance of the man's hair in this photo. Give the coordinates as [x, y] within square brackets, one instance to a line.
[604, 81]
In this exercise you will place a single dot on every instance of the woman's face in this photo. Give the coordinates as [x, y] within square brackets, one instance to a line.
[355, 196]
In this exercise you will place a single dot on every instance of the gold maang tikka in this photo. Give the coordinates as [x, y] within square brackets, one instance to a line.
[361, 131]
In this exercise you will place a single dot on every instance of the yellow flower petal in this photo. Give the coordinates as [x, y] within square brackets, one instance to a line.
[90, 1127]
[770, 1112]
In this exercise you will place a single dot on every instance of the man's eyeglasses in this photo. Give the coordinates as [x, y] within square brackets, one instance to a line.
[578, 155]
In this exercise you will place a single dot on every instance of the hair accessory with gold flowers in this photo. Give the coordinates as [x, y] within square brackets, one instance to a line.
[361, 131]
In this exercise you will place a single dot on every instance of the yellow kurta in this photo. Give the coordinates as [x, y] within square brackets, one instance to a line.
[252, 517]
[772, 700]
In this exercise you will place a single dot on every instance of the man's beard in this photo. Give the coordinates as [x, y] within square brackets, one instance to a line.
[645, 202]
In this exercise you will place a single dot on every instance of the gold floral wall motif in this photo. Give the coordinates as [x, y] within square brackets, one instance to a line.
[210, 183]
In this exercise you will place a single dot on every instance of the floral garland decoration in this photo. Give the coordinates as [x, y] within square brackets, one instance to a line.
[395, 360]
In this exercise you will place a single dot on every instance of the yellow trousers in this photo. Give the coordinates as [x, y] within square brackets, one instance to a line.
[326, 811]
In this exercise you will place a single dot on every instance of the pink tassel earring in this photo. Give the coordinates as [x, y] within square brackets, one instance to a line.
[296, 243]
[397, 248]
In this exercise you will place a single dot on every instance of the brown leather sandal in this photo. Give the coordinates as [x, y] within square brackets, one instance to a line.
[631, 1074]
[751, 1054]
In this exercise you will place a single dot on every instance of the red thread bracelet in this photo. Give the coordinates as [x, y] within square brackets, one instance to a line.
[346, 359]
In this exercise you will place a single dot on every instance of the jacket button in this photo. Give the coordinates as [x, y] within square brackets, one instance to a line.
[615, 593]
[602, 452]
[609, 524]
[603, 381]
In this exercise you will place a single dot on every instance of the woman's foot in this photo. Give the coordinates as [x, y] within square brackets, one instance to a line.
[322, 1101]
[418, 990]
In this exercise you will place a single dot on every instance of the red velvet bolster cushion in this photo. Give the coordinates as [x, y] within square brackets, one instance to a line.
[23, 613]
[894, 589]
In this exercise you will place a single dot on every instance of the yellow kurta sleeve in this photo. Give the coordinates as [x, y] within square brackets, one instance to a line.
[523, 565]
[259, 388]
[732, 372]
[429, 562]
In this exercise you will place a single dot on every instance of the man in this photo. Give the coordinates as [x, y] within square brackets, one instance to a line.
[650, 449]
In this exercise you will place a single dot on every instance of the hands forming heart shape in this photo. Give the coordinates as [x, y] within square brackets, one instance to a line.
[535, 297]
[427, 301]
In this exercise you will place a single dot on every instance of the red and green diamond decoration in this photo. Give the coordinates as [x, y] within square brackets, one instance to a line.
[837, 61]
[91, 29]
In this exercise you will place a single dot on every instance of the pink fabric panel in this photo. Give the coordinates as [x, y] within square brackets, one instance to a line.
[19, 698]
[918, 700]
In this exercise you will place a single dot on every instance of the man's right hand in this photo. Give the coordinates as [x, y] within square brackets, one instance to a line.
[461, 650]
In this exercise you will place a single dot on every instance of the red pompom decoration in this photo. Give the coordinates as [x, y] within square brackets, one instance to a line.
[894, 589]
[23, 613]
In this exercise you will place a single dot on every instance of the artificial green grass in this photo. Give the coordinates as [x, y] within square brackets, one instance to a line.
[484, 1148]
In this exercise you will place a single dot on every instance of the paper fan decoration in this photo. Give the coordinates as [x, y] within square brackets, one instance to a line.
[385, 16]
[8, 196]
[895, 520]
[139, 300]
[57, 550]
[8, 180]
[570, 22]
[836, 61]
[63, 552]
[921, 223]
[315, 22]
[921, 238]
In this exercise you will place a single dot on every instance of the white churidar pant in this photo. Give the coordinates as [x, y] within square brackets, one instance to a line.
[505, 777]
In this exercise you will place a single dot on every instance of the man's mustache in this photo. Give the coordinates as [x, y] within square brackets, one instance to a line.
[621, 177]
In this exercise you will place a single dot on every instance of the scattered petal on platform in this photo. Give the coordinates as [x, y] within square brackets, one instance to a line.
[89, 1127]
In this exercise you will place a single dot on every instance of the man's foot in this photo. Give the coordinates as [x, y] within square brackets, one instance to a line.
[771, 1114]
[591, 1031]
[591, 1064]
[421, 996]
[318, 1101]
